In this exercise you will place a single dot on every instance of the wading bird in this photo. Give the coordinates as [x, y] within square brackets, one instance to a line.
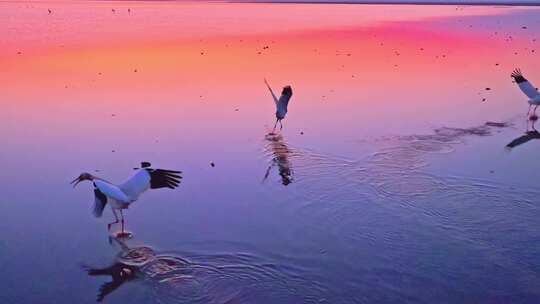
[121, 196]
[529, 90]
[281, 103]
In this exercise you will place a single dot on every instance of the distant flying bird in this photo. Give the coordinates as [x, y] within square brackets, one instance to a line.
[281, 103]
[528, 89]
[121, 196]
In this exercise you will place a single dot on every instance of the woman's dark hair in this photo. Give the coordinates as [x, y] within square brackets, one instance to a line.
[287, 91]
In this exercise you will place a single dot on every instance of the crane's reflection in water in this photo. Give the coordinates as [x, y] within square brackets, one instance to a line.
[189, 277]
[140, 262]
[119, 273]
[280, 157]
[530, 134]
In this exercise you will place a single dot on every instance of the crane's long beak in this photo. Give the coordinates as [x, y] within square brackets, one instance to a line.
[76, 181]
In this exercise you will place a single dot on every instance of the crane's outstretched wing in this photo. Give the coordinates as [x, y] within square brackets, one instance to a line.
[111, 191]
[525, 86]
[102, 192]
[276, 101]
[284, 99]
[148, 178]
[283, 102]
[100, 201]
[160, 178]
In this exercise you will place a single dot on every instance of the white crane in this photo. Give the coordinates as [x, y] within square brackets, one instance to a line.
[120, 197]
[281, 103]
[528, 89]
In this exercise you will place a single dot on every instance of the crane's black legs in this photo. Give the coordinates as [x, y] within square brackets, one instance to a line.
[123, 233]
[275, 125]
[122, 220]
[109, 225]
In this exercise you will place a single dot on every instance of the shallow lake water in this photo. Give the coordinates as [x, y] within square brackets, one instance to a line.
[391, 181]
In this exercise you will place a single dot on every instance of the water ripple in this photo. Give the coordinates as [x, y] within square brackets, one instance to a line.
[387, 209]
[215, 278]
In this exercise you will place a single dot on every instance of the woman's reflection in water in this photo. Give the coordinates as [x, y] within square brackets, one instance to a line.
[280, 157]
[529, 135]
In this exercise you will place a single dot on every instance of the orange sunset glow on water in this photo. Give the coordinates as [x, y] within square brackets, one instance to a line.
[405, 170]
[337, 55]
